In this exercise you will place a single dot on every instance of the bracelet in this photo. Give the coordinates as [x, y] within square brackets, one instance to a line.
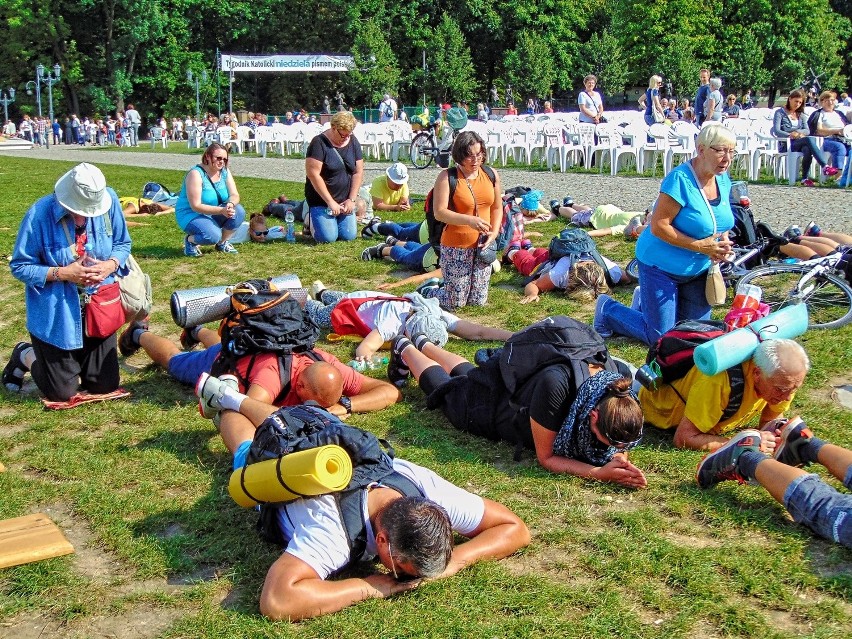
[56, 273]
[346, 403]
[117, 263]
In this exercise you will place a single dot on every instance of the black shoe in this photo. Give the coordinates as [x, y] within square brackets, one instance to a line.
[554, 207]
[767, 233]
[127, 346]
[371, 229]
[568, 201]
[372, 252]
[398, 371]
[11, 381]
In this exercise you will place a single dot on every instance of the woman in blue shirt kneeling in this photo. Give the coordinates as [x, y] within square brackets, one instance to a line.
[683, 239]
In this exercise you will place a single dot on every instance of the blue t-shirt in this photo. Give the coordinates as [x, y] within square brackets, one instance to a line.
[212, 194]
[649, 100]
[693, 219]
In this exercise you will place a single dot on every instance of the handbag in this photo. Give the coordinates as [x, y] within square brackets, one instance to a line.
[136, 294]
[658, 116]
[486, 254]
[104, 314]
[715, 289]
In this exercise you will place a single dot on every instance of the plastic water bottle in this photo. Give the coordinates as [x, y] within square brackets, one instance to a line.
[88, 260]
[291, 229]
[374, 362]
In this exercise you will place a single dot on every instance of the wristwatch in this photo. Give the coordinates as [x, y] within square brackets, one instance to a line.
[346, 403]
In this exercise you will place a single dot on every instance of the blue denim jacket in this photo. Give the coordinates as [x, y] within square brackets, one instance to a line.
[53, 308]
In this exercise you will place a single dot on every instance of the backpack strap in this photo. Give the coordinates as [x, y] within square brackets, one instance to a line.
[285, 371]
[351, 506]
[736, 379]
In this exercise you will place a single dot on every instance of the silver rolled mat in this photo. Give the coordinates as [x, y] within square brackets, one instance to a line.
[197, 306]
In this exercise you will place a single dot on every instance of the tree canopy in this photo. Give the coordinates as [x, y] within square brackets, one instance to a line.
[113, 51]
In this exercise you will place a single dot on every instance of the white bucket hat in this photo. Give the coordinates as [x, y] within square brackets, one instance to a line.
[397, 173]
[83, 191]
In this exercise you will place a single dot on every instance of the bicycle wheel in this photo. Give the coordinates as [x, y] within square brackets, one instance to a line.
[828, 297]
[423, 150]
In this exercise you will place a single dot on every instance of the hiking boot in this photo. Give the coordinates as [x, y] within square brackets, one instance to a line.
[371, 229]
[430, 287]
[599, 321]
[373, 252]
[794, 435]
[830, 171]
[766, 232]
[808, 182]
[316, 290]
[13, 373]
[127, 344]
[190, 249]
[812, 230]
[721, 464]
[792, 232]
[187, 341]
[226, 247]
[210, 389]
[398, 371]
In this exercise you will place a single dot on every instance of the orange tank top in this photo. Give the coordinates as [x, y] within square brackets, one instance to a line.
[482, 189]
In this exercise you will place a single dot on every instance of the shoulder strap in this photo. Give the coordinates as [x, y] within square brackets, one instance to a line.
[212, 186]
[351, 507]
[736, 380]
[285, 370]
[329, 145]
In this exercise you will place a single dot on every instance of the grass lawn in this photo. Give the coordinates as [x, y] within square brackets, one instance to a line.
[140, 486]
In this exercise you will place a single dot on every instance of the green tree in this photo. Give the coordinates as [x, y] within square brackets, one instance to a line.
[531, 67]
[744, 67]
[374, 69]
[451, 75]
[604, 58]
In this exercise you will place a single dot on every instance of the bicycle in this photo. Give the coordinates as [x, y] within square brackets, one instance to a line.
[425, 146]
[819, 283]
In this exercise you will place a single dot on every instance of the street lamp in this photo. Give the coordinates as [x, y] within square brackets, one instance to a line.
[201, 79]
[49, 79]
[7, 98]
[33, 84]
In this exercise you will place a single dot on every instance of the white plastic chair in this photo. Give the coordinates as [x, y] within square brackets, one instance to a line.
[627, 142]
[496, 143]
[245, 139]
[657, 145]
[682, 137]
[158, 134]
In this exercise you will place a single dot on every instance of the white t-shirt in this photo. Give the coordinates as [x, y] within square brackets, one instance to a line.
[559, 273]
[317, 537]
[592, 102]
[388, 317]
[831, 120]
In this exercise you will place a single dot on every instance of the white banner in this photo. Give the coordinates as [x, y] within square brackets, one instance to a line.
[284, 63]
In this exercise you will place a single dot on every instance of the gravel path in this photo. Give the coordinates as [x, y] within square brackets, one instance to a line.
[779, 205]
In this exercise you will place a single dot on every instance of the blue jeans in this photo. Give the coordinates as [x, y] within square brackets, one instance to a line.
[326, 227]
[821, 508]
[207, 229]
[666, 300]
[807, 146]
[410, 255]
[837, 150]
[406, 231]
[846, 179]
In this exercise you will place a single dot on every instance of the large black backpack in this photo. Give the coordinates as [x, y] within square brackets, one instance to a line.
[674, 352]
[296, 428]
[263, 319]
[435, 227]
[557, 340]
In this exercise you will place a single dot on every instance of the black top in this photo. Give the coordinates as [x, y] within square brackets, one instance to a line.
[337, 175]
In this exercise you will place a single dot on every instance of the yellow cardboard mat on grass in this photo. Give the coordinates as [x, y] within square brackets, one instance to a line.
[31, 538]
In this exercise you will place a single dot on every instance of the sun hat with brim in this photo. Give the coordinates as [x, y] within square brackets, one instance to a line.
[83, 191]
[397, 173]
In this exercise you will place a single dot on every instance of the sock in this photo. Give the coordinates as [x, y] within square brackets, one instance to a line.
[810, 451]
[231, 399]
[28, 354]
[136, 334]
[403, 342]
[419, 341]
[748, 461]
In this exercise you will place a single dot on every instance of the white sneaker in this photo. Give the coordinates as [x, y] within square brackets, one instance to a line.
[316, 288]
[210, 389]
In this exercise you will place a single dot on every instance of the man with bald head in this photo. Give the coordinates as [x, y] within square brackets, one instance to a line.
[695, 404]
[324, 380]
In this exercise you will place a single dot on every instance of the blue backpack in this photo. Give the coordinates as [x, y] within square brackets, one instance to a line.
[577, 245]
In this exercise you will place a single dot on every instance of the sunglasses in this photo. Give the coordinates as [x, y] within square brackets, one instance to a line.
[220, 158]
[260, 233]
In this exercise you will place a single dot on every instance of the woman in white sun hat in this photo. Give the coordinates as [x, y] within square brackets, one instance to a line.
[70, 245]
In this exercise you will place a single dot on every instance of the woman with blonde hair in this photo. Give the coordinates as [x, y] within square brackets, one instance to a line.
[335, 169]
[652, 101]
[688, 232]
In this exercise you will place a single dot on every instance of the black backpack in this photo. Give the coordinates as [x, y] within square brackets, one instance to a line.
[557, 340]
[297, 428]
[673, 353]
[263, 319]
[435, 227]
[577, 245]
[744, 232]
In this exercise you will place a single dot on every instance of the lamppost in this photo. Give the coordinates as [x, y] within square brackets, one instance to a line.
[49, 79]
[198, 80]
[33, 84]
[7, 98]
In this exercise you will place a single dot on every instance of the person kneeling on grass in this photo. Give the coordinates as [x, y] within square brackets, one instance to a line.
[411, 536]
[808, 499]
[583, 431]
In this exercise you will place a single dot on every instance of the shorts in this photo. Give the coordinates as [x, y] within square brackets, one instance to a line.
[187, 367]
